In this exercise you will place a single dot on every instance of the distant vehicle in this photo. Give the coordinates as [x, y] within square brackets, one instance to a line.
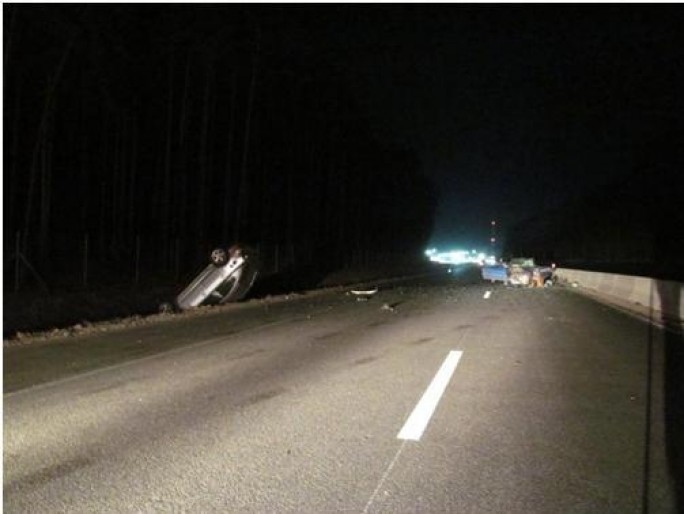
[228, 278]
[520, 271]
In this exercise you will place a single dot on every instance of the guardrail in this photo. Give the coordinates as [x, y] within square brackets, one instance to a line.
[661, 302]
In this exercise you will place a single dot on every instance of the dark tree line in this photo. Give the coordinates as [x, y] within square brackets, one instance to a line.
[190, 124]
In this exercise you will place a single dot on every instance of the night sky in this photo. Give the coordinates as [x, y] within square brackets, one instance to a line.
[510, 109]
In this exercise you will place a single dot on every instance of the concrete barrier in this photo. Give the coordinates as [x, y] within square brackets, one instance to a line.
[659, 301]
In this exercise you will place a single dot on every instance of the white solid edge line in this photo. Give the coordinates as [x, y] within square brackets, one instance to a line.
[415, 424]
[487, 294]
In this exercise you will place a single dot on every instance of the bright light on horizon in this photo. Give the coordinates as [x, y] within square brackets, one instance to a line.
[457, 256]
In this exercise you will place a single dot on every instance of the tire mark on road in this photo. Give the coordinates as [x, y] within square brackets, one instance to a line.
[328, 335]
[365, 360]
[49, 473]
[262, 396]
[420, 341]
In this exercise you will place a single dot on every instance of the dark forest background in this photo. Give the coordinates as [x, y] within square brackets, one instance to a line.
[138, 138]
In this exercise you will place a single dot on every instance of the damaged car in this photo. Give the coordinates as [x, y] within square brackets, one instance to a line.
[228, 277]
[520, 271]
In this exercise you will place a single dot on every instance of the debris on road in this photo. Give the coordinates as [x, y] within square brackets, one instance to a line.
[363, 295]
[166, 308]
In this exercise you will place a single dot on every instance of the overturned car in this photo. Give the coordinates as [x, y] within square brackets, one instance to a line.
[228, 278]
[522, 271]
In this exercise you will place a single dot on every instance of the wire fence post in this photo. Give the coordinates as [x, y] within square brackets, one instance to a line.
[17, 268]
[277, 264]
[176, 260]
[137, 260]
[85, 261]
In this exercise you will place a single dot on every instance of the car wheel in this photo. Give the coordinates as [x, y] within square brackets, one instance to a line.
[219, 257]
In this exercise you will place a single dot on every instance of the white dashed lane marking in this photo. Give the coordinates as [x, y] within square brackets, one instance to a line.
[420, 417]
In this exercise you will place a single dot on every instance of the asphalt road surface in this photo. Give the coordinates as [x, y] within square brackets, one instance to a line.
[446, 395]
